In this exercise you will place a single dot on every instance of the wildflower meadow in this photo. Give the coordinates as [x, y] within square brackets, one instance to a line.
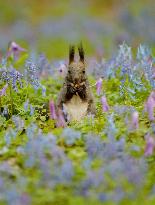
[107, 158]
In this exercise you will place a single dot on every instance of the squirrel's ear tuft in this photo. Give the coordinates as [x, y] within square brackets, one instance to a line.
[81, 52]
[71, 53]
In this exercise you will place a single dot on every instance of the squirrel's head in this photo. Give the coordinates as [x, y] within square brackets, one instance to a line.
[76, 70]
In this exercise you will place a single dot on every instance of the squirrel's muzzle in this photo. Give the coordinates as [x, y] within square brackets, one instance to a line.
[77, 85]
[76, 80]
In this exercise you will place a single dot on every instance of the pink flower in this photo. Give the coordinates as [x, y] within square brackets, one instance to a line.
[99, 86]
[134, 120]
[3, 90]
[60, 120]
[105, 106]
[149, 106]
[15, 50]
[150, 144]
[52, 110]
[58, 116]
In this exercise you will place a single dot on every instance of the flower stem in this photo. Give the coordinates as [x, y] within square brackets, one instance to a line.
[11, 99]
[0, 105]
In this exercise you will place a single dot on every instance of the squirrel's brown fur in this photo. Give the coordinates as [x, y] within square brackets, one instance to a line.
[75, 97]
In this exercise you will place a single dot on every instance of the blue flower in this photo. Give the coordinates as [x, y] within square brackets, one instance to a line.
[70, 136]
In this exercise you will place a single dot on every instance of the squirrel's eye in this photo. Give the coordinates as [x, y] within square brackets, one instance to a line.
[69, 71]
[83, 71]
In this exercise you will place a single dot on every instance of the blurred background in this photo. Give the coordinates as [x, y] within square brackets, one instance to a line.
[49, 26]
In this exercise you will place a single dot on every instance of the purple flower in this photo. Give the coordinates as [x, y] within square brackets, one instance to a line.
[60, 119]
[62, 69]
[52, 110]
[15, 50]
[94, 146]
[26, 105]
[99, 86]
[3, 90]
[93, 179]
[31, 110]
[44, 66]
[150, 144]
[12, 77]
[66, 171]
[149, 106]
[70, 136]
[31, 73]
[19, 122]
[24, 199]
[105, 106]
[58, 116]
[134, 120]
[43, 90]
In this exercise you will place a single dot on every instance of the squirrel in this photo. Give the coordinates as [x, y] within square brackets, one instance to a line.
[75, 99]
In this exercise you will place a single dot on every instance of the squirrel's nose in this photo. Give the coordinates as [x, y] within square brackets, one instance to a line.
[76, 80]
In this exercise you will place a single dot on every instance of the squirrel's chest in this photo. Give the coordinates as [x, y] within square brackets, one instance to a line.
[75, 108]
